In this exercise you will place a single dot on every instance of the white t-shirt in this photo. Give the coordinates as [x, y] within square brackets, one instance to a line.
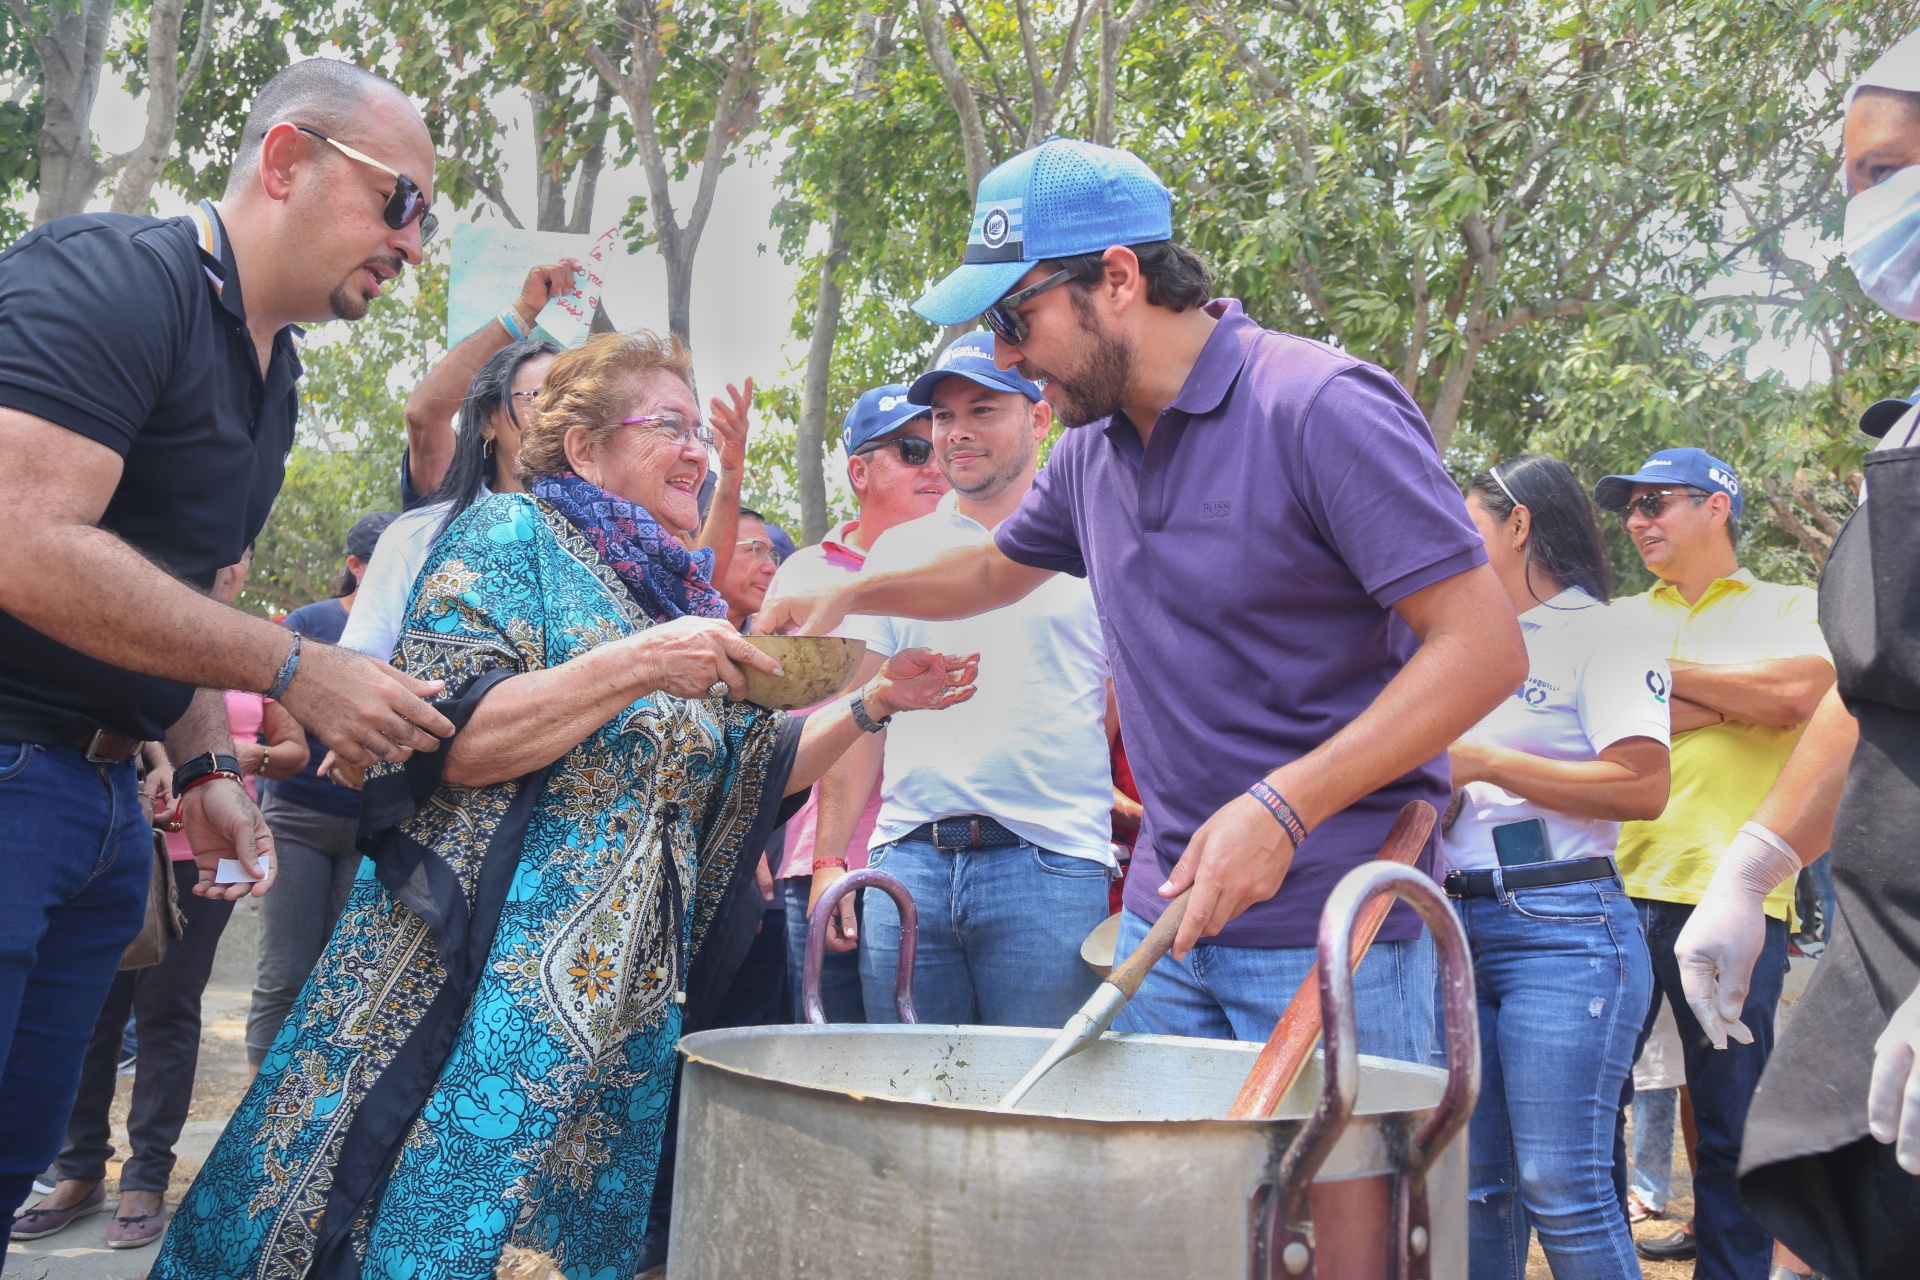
[380, 604]
[1592, 680]
[1030, 748]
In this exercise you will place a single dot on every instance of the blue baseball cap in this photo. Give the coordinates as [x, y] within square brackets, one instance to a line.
[1695, 468]
[1055, 200]
[971, 357]
[877, 412]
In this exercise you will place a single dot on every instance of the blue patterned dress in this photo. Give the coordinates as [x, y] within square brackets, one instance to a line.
[532, 1110]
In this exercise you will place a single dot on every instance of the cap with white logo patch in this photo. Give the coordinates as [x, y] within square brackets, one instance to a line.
[971, 357]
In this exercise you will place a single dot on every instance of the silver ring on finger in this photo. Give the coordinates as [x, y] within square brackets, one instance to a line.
[718, 689]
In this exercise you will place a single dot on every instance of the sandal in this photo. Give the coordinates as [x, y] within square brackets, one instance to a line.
[1639, 1211]
[36, 1222]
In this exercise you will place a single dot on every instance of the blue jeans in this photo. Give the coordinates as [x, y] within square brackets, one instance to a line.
[1239, 993]
[1563, 985]
[839, 970]
[1655, 1113]
[1732, 1243]
[1000, 933]
[76, 857]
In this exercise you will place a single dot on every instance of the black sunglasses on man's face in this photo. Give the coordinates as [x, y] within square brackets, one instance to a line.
[1006, 322]
[407, 203]
[1654, 505]
[914, 450]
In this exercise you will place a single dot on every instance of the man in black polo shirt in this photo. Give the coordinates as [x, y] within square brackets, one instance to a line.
[147, 404]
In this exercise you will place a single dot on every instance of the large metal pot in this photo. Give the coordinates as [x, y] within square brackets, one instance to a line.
[875, 1152]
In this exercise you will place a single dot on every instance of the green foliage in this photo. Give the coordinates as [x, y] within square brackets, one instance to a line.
[346, 461]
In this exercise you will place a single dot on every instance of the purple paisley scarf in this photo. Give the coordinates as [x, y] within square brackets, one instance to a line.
[666, 579]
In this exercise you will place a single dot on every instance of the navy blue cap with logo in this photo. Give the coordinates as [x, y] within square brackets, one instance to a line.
[1691, 468]
[877, 412]
[1057, 200]
[971, 357]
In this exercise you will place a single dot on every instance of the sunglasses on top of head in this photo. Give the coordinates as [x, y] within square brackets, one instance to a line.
[1006, 321]
[914, 450]
[406, 205]
[1654, 505]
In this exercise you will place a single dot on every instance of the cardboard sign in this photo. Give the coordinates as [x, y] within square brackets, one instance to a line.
[488, 266]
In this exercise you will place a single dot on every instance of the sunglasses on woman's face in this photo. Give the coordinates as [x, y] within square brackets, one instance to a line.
[676, 427]
[406, 205]
[914, 450]
[1654, 505]
[1006, 321]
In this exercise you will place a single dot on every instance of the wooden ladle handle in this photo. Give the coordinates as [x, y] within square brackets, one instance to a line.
[1131, 972]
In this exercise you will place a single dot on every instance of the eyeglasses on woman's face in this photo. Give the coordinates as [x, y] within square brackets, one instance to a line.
[407, 203]
[672, 426]
[914, 450]
[1654, 505]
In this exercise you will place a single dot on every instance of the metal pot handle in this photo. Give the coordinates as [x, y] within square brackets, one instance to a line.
[1289, 1248]
[817, 941]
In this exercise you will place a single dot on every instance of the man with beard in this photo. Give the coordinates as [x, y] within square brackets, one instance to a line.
[148, 372]
[996, 822]
[1299, 612]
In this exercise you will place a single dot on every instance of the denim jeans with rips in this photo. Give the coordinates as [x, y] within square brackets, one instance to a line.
[1563, 983]
[76, 857]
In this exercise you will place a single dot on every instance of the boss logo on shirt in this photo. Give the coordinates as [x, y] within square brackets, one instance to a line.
[1658, 684]
[1216, 510]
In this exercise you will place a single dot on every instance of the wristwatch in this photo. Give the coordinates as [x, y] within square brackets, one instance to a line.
[862, 717]
[204, 767]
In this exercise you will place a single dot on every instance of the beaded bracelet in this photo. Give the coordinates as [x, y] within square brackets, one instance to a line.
[288, 665]
[1282, 812]
[510, 321]
[829, 862]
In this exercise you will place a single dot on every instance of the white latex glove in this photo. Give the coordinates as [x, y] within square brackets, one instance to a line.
[1893, 1100]
[1722, 939]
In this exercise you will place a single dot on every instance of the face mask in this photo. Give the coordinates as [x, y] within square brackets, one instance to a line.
[1883, 242]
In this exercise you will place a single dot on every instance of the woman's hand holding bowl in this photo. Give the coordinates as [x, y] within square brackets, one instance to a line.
[688, 656]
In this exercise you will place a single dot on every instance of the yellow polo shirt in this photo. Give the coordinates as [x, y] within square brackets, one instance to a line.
[1721, 772]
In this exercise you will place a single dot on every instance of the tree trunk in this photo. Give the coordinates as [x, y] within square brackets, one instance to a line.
[167, 87]
[581, 223]
[811, 437]
[549, 187]
[70, 54]
[679, 288]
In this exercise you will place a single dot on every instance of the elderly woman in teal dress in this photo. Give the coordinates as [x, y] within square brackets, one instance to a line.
[485, 1052]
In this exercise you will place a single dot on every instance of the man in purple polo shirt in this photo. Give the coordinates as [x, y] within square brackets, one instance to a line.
[1299, 614]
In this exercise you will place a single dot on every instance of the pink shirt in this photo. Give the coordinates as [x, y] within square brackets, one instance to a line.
[245, 711]
[827, 559]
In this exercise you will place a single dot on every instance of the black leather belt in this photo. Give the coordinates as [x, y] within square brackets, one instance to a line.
[969, 831]
[105, 747]
[1479, 884]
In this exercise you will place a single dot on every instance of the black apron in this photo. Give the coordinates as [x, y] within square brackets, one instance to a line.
[1809, 1170]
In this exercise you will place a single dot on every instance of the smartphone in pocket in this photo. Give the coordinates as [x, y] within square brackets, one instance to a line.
[1521, 844]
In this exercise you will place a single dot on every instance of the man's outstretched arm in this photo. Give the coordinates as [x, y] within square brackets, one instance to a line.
[960, 583]
[67, 578]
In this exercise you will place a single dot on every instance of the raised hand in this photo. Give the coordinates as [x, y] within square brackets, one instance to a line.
[544, 284]
[804, 615]
[730, 426]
